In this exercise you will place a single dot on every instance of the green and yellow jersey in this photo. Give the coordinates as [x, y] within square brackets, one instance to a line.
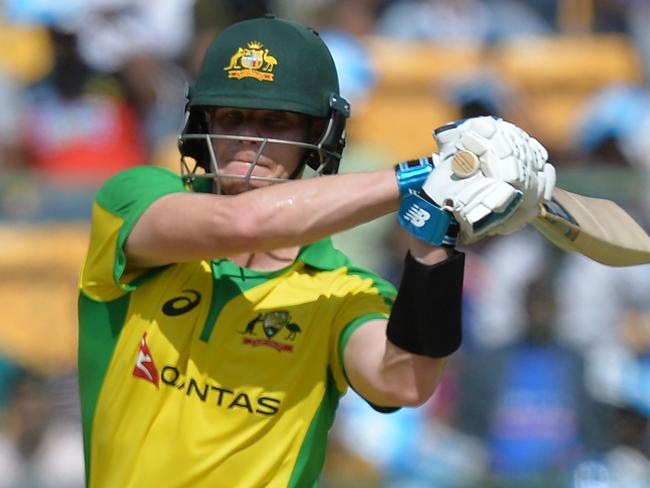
[206, 373]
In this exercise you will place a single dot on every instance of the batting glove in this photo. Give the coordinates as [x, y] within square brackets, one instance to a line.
[506, 154]
[478, 203]
[435, 201]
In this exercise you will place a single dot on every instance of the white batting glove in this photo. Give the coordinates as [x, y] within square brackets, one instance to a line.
[479, 203]
[507, 155]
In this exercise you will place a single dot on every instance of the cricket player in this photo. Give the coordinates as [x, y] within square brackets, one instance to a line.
[218, 326]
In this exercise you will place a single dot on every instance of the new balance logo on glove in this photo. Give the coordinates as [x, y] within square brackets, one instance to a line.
[426, 221]
[417, 215]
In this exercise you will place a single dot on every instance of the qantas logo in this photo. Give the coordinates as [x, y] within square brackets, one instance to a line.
[207, 392]
[144, 365]
[219, 396]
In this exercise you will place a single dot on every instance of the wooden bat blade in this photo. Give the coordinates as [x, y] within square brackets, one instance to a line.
[594, 227]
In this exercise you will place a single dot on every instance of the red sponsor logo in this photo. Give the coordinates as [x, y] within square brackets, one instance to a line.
[144, 365]
[278, 346]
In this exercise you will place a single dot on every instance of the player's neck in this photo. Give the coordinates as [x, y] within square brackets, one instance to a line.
[267, 261]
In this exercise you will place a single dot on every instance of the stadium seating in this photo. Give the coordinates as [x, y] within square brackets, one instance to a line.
[40, 266]
[555, 76]
[408, 99]
[551, 80]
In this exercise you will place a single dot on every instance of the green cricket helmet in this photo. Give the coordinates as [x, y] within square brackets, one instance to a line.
[272, 64]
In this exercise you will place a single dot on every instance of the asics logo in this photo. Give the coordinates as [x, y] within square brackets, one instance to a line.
[417, 215]
[182, 304]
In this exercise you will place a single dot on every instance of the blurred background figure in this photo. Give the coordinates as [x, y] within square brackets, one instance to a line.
[344, 25]
[37, 448]
[618, 375]
[12, 100]
[414, 447]
[449, 21]
[628, 462]
[528, 400]
[77, 125]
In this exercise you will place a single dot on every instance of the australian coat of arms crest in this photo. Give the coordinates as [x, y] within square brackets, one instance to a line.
[253, 61]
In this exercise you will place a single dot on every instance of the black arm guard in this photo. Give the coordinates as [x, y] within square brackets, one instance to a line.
[426, 317]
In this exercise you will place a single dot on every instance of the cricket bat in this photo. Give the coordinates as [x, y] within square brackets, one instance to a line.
[594, 227]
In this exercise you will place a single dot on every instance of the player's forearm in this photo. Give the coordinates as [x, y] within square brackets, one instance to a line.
[386, 375]
[412, 377]
[304, 211]
[188, 226]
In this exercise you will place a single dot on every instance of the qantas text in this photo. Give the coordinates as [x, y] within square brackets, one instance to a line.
[219, 396]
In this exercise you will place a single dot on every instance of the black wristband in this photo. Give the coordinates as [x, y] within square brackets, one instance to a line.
[426, 316]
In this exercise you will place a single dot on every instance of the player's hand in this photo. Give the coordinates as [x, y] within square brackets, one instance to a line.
[480, 204]
[508, 160]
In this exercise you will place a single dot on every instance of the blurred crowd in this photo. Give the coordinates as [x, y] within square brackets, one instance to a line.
[551, 387]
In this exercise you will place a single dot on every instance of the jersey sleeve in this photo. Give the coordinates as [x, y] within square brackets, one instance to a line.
[368, 297]
[117, 207]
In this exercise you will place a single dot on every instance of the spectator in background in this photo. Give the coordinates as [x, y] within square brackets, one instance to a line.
[637, 17]
[628, 463]
[498, 305]
[608, 135]
[528, 400]
[612, 128]
[34, 451]
[619, 371]
[144, 44]
[415, 448]
[450, 21]
[619, 375]
[78, 127]
[486, 92]
[480, 95]
[592, 299]
[11, 101]
[25, 57]
[609, 15]
[343, 25]
[547, 9]
[435, 20]
[140, 46]
[9, 372]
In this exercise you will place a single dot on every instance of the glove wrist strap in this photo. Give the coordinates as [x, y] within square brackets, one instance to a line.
[412, 174]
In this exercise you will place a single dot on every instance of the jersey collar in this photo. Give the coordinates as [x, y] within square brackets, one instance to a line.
[322, 255]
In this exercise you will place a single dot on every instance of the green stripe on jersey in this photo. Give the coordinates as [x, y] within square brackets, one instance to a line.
[312, 453]
[99, 328]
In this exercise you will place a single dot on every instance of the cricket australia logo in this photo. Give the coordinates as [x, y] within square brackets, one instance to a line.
[272, 323]
[144, 365]
[253, 61]
[417, 215]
